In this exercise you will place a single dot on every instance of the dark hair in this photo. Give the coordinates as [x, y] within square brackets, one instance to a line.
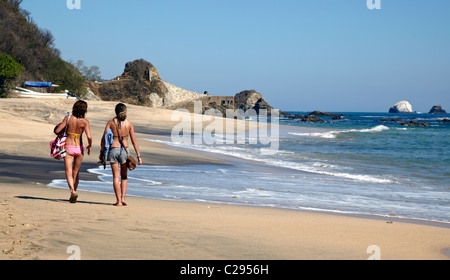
[121, 112]
[79, 109]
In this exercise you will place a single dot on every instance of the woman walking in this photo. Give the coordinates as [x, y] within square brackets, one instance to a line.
[76, 125]
[117, 155]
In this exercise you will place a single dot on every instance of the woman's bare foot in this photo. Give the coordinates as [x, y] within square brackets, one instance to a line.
[124, 202]
[117, 204]
[73, 198]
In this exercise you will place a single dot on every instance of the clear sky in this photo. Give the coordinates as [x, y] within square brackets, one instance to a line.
[304, 55]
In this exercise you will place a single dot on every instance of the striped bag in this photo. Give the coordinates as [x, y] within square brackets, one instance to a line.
[58, 146]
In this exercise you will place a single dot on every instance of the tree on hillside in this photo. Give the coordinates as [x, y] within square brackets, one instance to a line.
[67, 76]
[89, 73]
[9, 70]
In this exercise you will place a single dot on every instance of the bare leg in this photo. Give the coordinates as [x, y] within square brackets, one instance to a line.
[116, 183]
[76, 171]
[68, 164]
[124, 182]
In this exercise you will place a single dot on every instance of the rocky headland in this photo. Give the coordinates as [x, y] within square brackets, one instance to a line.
[141, 84]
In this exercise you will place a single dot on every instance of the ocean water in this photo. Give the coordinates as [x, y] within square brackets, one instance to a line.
[356, 165]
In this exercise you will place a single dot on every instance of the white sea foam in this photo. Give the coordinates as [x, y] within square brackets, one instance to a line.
[316, 168]
[333, 133]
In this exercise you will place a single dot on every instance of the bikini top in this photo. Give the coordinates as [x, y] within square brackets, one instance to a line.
[120, 126]
[75, 135]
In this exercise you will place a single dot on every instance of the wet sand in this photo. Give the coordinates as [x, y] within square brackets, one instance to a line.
[38, 222]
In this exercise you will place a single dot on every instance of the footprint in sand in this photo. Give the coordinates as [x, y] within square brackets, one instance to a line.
[8, 251]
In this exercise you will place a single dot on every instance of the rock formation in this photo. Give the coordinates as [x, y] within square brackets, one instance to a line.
[141, 84]
[401, 107]
[437, 109]
[251, 99]
[404, 123]
[413, 123]
[391, 120]
[325, 114]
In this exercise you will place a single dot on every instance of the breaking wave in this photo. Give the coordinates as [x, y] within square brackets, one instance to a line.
[333, 134]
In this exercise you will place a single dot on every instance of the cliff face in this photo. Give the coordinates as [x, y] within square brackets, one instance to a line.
[141, 84]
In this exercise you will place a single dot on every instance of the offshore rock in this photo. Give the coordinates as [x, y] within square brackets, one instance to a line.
[326, 114]
[413, 123]
[401, 107]
[437, 109]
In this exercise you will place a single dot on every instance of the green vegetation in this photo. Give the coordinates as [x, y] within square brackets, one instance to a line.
[91, 74]
[33, 48]
[9, 70]
[66, 76]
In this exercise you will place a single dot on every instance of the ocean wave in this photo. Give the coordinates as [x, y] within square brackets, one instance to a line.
[333, 134]
[312, 168]
[315, 168]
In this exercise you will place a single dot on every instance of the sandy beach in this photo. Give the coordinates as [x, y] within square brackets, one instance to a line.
[38, 223]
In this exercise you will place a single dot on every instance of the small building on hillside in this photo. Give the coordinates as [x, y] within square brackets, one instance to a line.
[222, 100]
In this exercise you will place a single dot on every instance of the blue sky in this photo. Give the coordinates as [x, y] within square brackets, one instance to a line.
[329, 55]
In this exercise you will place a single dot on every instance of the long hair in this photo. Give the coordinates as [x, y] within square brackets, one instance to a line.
[79, 109]
[121, 112]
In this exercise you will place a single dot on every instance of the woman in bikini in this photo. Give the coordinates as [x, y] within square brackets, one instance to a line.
[120, 127]
[76, 126]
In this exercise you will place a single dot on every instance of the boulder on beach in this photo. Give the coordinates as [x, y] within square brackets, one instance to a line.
[401, 107]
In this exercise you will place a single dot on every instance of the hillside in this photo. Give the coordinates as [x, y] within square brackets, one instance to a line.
[33, 48]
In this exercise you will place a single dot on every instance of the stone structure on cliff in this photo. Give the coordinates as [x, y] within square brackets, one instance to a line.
[401, 107]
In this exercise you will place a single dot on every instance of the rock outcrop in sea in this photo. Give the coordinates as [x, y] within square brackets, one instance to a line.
[405, 123]
[401, 107]
[414, 123]
[437, 109]
[313, 117]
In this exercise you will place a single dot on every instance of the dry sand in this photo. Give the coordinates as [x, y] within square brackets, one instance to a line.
[37, 222]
